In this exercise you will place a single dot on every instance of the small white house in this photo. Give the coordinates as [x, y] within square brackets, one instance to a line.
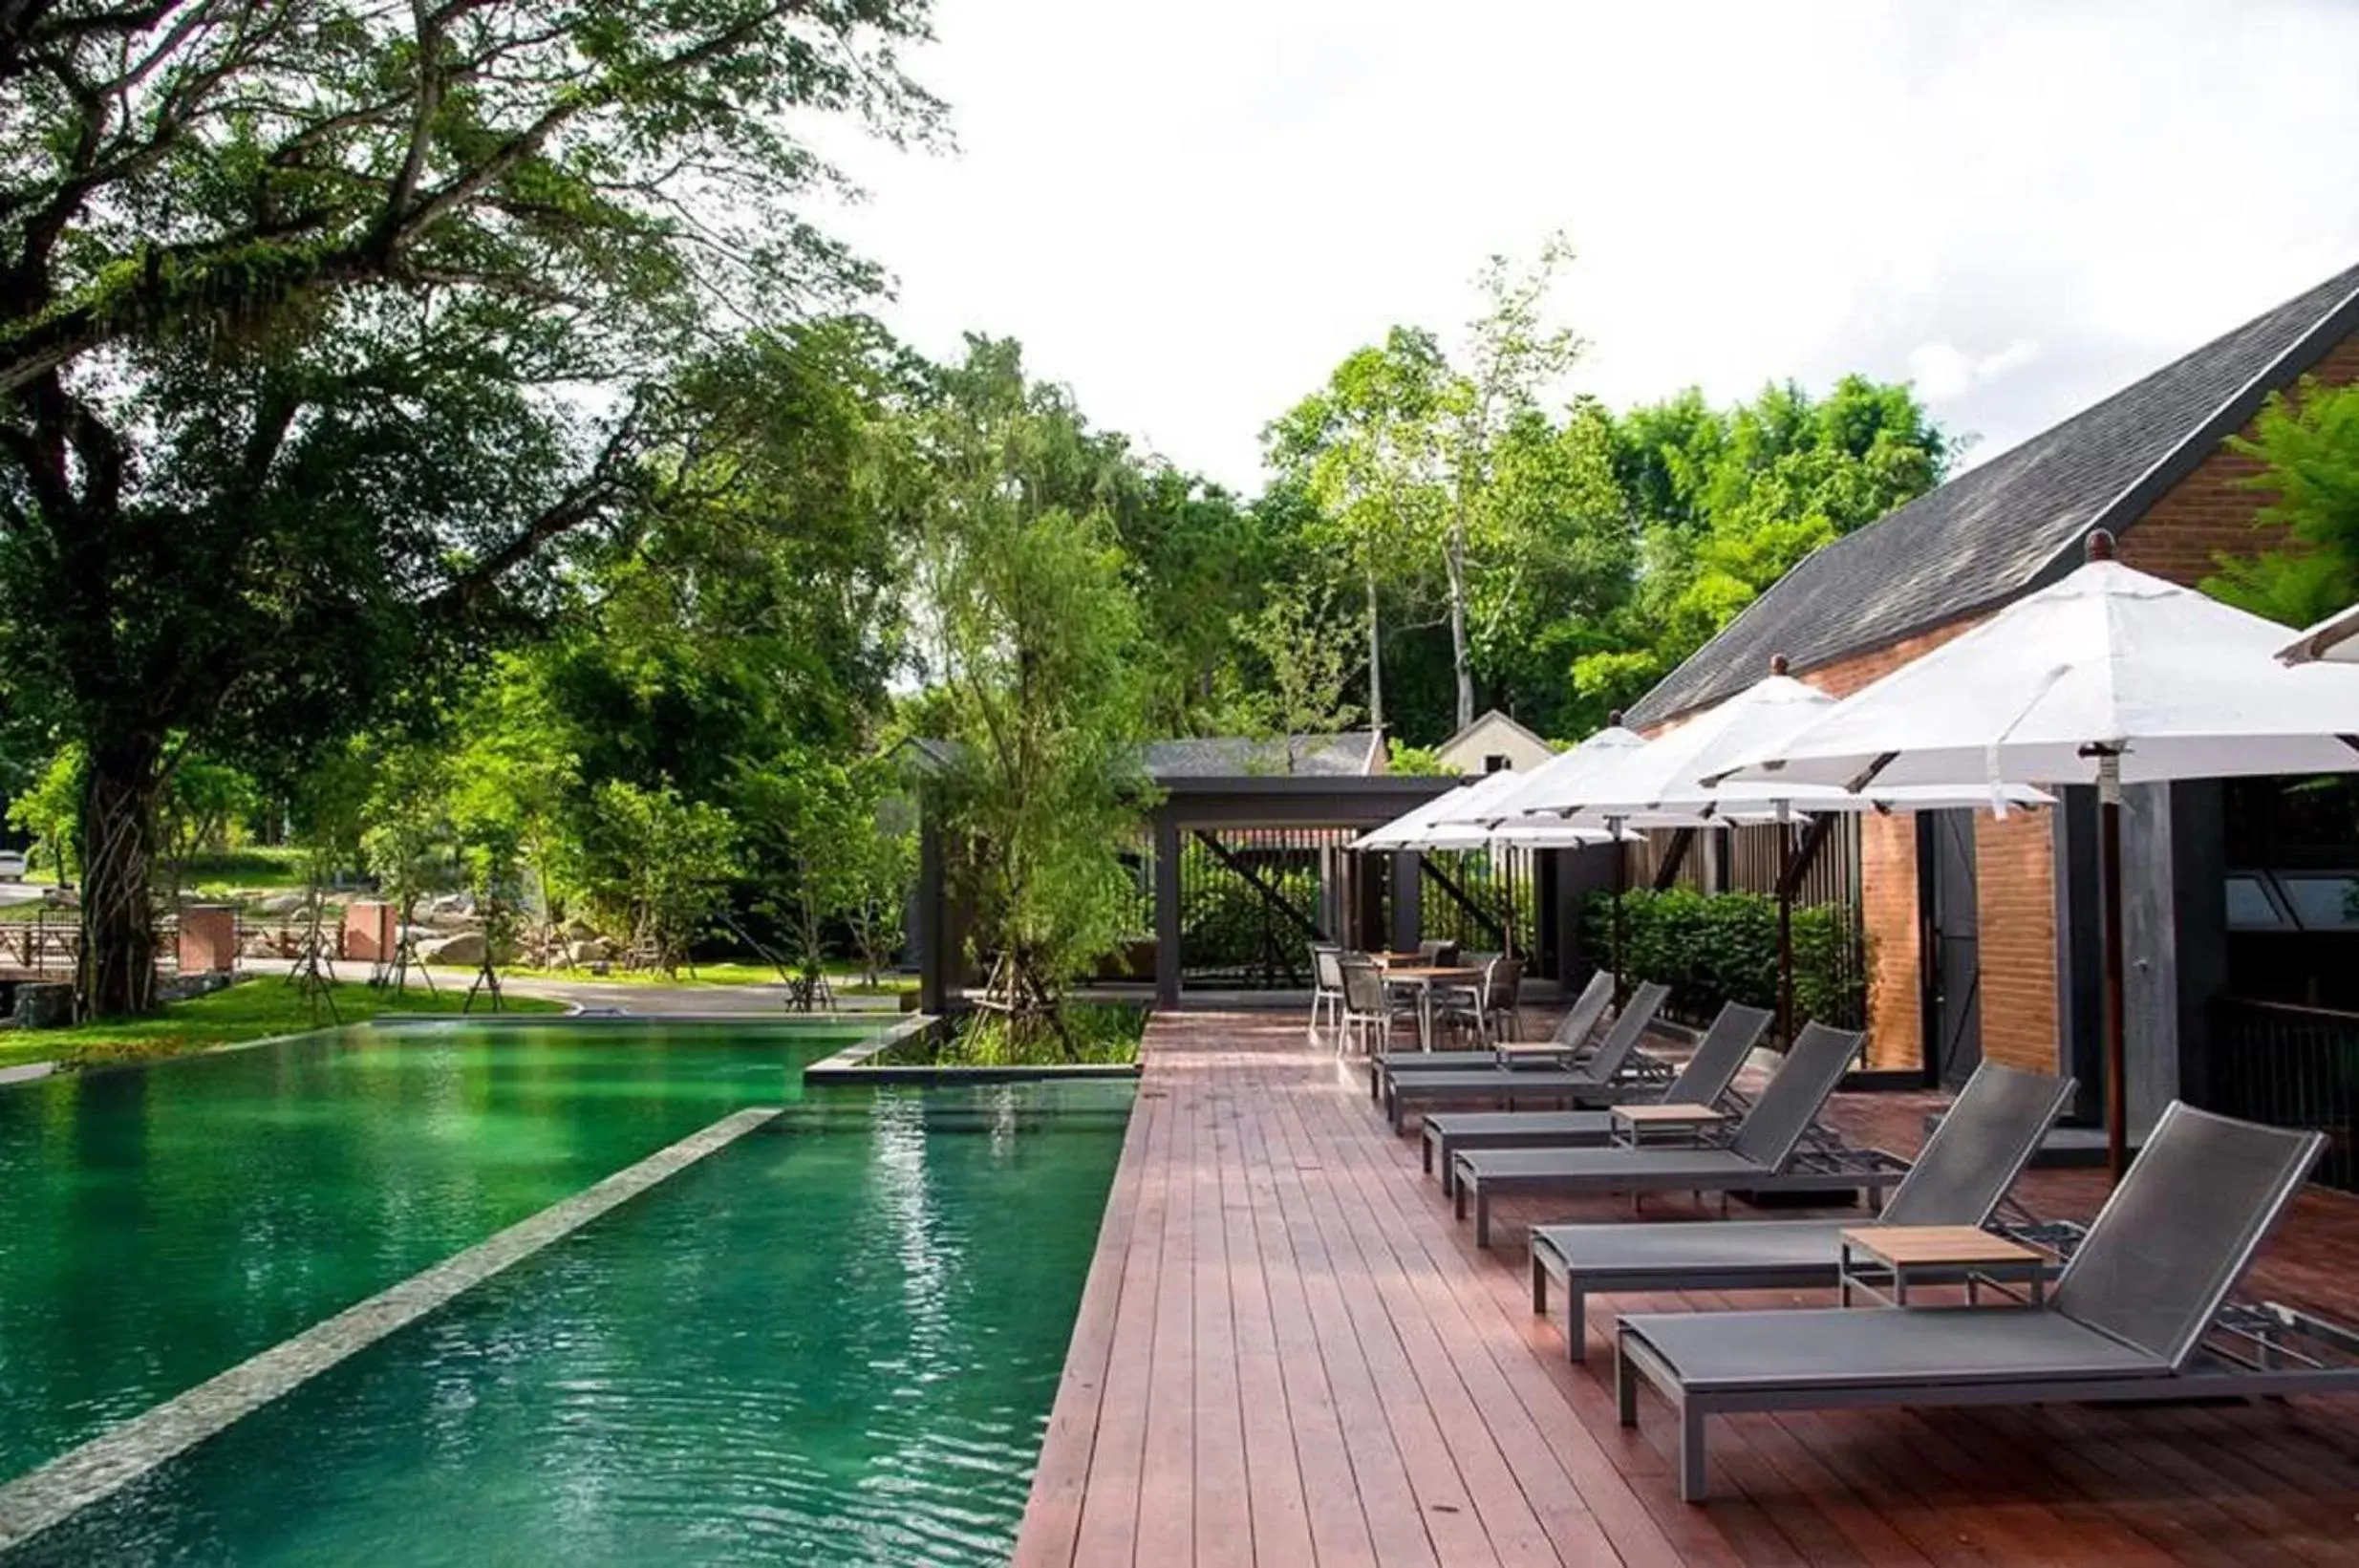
[1492, 743]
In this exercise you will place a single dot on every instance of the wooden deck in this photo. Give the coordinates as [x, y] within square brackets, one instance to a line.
[1288, 1353]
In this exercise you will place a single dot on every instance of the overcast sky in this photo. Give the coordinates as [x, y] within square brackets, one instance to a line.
[1189, 213]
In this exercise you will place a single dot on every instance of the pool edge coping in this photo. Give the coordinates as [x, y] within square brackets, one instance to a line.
[572, 1012]
[54, 1492]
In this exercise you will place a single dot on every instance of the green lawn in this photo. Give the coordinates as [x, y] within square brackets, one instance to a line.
[253, 1009]
[713, 974]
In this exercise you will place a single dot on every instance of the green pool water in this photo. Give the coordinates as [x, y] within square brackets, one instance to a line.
[836, 1342]
[159, 1224]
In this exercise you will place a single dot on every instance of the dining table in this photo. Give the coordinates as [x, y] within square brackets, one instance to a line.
[1424, 977]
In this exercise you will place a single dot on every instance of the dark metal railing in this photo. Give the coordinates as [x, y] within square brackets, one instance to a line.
[1252, 902]
[1481, 899]
[2288, 1066]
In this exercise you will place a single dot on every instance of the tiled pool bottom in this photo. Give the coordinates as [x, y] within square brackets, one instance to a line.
[836, 1340]
[160, 1224]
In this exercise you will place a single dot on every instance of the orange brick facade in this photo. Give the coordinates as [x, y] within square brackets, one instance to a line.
[2181, 537]
[2210, 513]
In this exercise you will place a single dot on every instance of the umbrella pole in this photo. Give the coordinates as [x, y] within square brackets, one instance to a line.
[1785, 924]
[1622, 886]
[2116, 1053]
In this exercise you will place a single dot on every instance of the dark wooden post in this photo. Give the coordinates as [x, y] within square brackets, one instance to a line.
[1166, 909]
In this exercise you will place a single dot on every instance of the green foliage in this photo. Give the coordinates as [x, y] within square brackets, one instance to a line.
[2307, 446]
[1365, 451]
[1417, 762]
[1302, 665]
[1093, 1033]
[326, 332]
[1716, 948]
[1036, 645]
[51, 811]
[659, 866]
[410, 845]
[203, 800]
[1726, 502]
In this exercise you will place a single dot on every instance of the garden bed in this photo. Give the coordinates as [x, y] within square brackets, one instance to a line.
[971, 1047]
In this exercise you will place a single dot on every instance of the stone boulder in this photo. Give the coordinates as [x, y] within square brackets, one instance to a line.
[279, 904]
[595, 949]
[44, 1005]
[462, 950]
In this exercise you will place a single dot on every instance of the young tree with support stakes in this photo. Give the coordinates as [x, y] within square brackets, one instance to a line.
[1037, 656]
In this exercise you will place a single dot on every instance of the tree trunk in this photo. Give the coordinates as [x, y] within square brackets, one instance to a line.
[1461, 657]
[1376, 659]
[118, 973]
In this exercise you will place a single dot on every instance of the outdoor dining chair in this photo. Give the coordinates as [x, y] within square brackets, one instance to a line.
[1326, 986]
[1370, 1009]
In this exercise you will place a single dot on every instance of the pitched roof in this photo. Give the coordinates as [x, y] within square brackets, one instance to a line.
[1489, 717]
[1229, 756]
[2014, 522]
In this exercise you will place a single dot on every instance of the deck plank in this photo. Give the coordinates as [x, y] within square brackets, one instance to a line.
[1288, 1353]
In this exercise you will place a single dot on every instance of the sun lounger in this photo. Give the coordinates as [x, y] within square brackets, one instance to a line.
[1719, 1056]
[1566, 1043]
[1967, 1165]
[1615, 1071]
[1766, 1155]
[2140, 1313]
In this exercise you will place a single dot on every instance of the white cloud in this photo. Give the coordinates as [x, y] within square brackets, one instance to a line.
[1943, 371]
[1189, 213]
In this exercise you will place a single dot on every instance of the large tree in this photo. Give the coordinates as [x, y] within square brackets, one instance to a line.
[1512, 355]
[321, 323]
[1364, 449]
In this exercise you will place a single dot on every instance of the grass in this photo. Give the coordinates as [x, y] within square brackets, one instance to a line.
[254, 1009]
[844, 982]
[1100, 1033]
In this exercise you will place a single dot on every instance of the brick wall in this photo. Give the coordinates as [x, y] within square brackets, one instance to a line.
[2015, 906]
[2210, 513]
[1888, 877]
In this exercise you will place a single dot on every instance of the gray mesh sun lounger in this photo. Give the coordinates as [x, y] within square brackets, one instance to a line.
[1967, 1165]
[1615, 1071]
[1571, 1032]
[1703, 1081]
[2140, 1313]
[1766, 1154]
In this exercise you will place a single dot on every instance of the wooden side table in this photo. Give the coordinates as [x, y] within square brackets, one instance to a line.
[1895, 1254]
[1519, 1053]
[1630, 1125]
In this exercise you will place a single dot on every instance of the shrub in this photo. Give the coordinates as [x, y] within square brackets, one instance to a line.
[1716, 948]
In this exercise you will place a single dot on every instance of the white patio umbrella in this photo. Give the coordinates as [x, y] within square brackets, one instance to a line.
[1560, 773]
[2109, 676]
[2336, 638]
[1402, 831]
[1665, 781]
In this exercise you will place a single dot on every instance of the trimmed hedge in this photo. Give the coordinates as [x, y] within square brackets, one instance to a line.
[1715, 948]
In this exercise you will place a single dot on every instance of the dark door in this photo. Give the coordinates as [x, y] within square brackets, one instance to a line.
[1953, 967]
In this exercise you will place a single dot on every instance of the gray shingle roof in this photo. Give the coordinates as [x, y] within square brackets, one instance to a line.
[1217, 757]
[2004, 528]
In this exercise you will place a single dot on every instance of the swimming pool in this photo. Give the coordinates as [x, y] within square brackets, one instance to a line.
[837, 1339]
